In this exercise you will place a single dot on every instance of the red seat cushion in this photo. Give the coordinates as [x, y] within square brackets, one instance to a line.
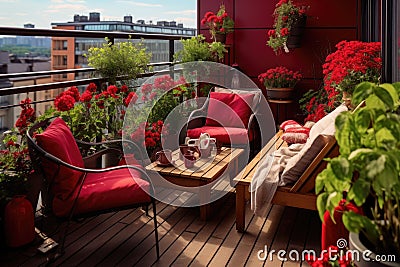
[229, 110]
[107, 190]
[58, 141]
[225, 135]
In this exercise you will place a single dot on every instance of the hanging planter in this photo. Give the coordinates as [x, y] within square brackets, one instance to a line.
[220, 37]
[296, 33]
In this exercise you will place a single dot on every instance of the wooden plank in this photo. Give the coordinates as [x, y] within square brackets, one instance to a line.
[297, 200]
[203, 232]
[272, 143]
[266, 235]
[109, 245]
[184, 238]
[283, 232]
[215, 163]
[298, 238]
[214, 242]
[244, 250]
[145, 255]
[228, 162]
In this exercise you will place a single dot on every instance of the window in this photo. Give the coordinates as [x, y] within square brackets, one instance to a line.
[2, 121]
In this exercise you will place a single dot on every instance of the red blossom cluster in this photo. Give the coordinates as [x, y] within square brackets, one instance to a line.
[219, 23]
[152, 134]
[316, 112]
[15, 156]
[279, 77]
[212, 20]
[26, 117]
[163, 83]
[332, 257]
[352, 63]
[66, 100]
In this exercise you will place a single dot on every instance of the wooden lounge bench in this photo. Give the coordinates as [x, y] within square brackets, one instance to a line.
[299, 195]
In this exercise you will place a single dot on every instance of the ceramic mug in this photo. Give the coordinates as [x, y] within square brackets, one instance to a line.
[184, 148]
[189, 159]
[164, 156]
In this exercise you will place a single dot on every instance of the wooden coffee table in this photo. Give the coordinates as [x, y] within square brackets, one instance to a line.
[199, 178]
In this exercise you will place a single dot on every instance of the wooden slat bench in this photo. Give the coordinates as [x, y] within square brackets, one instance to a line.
[299, 195]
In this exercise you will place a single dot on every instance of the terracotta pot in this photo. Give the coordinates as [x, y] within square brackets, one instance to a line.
[280, 93]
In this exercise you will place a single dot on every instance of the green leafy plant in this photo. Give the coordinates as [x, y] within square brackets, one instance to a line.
[196, 49]
[122, 60]
[368, 169]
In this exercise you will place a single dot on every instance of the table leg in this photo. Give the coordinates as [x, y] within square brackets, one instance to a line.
[205, 207]
[240, 207]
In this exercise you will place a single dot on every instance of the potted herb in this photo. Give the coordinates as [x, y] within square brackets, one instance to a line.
[196, 49]
[119, 61]
[288, 18]
[368, 169]
[220, 24]
[280, 82]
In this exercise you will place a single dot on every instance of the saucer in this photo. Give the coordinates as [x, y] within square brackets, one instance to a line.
[164, 164]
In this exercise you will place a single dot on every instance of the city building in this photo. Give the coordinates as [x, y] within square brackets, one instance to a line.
[13, 64]
[68, 52]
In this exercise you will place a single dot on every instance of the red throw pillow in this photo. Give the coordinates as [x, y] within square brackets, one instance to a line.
[234, 111]
[289, 124]
[58, 141]
[294, 138]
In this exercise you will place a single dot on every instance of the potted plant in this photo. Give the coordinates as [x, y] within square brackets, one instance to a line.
[196, 49]
[119, 61]
[280, 82]
[288, 18]
[352, 63]
[16, 177]
[219, 24]
[367, 171]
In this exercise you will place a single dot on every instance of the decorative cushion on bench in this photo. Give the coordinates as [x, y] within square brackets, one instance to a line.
[298, 164]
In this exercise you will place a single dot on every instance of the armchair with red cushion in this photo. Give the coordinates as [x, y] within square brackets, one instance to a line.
[74, 190]
[227, 115]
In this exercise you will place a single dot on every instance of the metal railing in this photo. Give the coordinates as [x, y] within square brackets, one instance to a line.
[74, 33]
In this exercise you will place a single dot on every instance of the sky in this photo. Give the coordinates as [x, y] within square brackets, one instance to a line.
[41, 13]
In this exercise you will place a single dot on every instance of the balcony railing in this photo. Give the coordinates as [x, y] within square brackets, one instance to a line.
[83, 81]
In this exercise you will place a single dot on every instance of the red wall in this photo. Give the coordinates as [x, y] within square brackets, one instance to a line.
[328, 22]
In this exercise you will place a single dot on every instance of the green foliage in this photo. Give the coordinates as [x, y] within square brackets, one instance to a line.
[196, 49]
[125, 59]
[368, 166]
[22, 50]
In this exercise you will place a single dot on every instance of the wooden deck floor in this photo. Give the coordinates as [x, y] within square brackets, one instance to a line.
[126, 238]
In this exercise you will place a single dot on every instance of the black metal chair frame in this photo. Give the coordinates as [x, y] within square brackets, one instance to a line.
[38, 154]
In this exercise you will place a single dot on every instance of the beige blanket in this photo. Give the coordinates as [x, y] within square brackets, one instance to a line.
[266, 179]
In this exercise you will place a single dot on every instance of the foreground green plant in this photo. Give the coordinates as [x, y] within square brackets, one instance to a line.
[368, 168]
